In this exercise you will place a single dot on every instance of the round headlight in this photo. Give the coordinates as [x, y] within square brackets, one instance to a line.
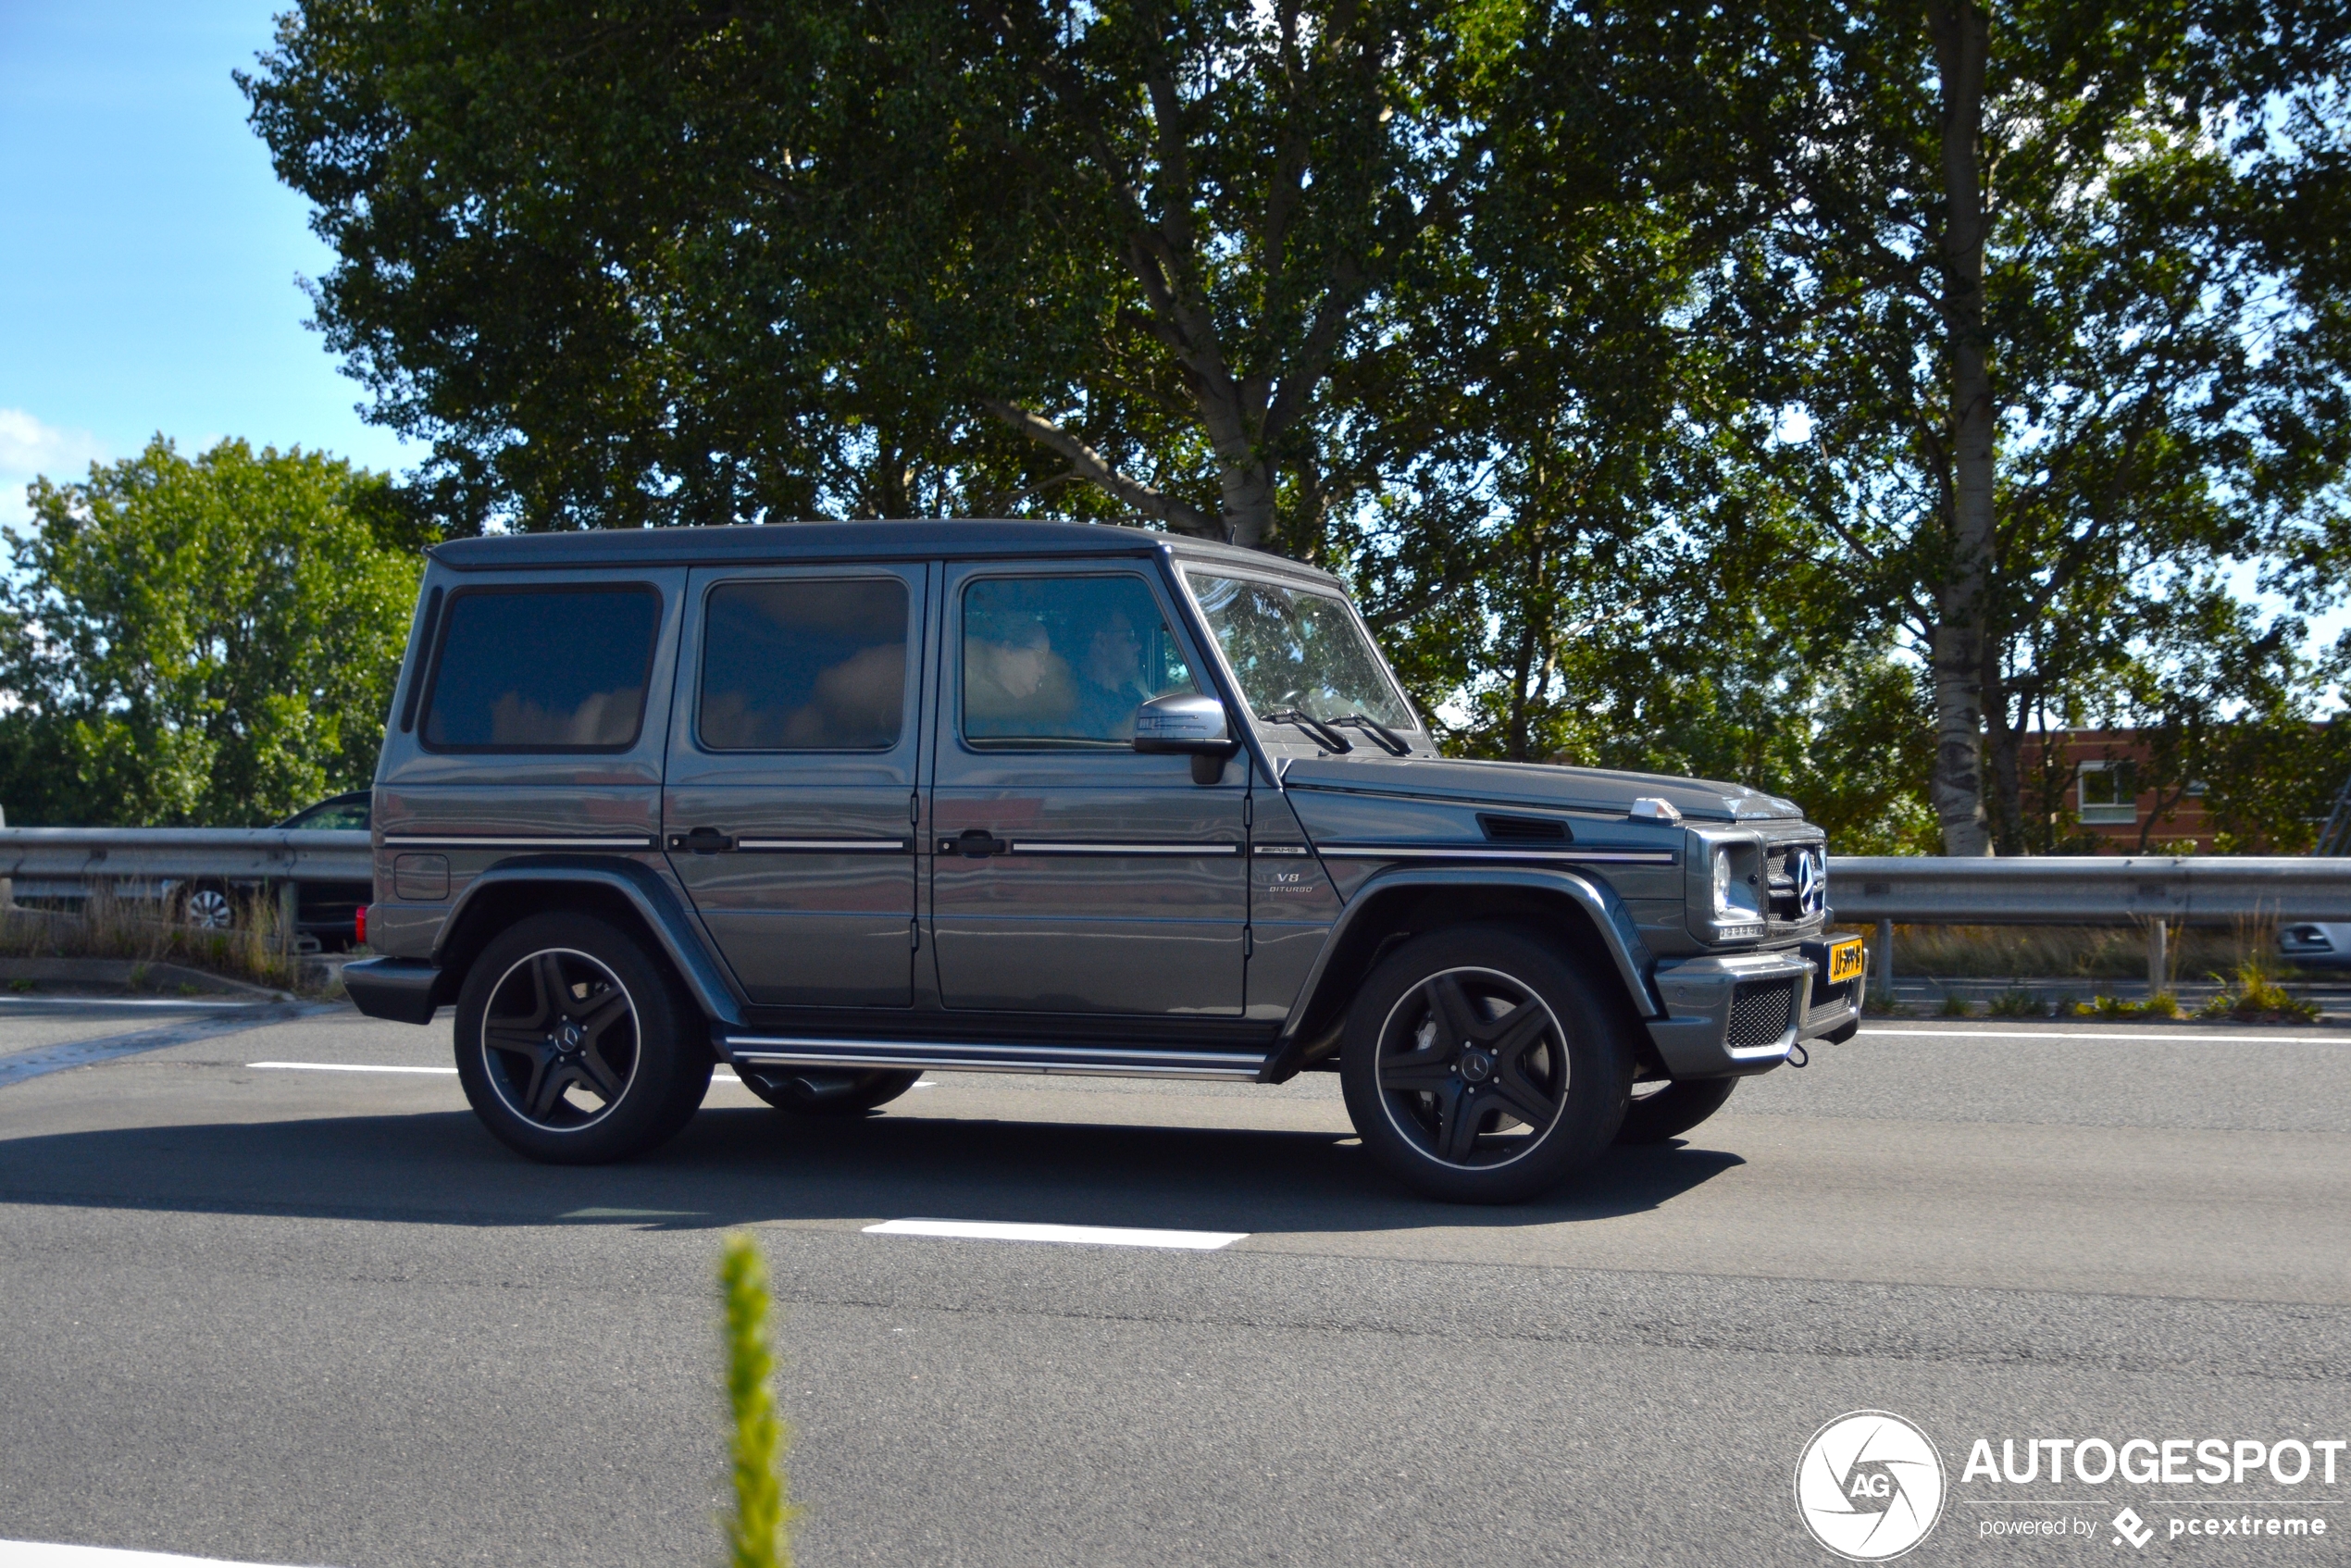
[1722, 880]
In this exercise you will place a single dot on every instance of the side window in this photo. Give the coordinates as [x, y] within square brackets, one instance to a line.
[816, 664]
[1065, 661]
[542, 669]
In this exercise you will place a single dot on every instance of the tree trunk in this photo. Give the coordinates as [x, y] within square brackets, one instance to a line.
[1963, 38]
[1247, 505]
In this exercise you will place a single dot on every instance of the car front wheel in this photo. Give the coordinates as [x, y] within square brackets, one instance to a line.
[575, 1046]
[1480, 1066]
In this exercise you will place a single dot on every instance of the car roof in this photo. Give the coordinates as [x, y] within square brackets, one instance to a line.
[967, 539]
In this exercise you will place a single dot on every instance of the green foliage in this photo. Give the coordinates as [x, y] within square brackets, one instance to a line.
[211, 642]
[1643, 415]
[2017, 1003]
[758, 1534]
[2257, 998]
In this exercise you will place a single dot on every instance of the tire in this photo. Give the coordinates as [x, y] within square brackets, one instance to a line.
[575, 1046]
[208, 906]
[818, 1093]
[1672, 1109]
[1480, 1065]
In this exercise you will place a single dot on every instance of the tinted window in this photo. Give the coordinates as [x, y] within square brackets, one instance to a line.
[814, 665]
[1064, 661]
[542, 670]
[331, 815]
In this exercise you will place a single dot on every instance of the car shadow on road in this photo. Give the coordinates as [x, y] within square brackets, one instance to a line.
[746, 1166]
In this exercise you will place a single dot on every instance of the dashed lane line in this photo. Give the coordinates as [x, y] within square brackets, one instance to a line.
[40, 1554]
[1065, 1235]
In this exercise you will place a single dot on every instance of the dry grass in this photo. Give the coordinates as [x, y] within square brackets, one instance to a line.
[110, 928]
[1996, 952]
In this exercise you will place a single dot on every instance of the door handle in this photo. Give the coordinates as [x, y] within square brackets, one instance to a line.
[977, 844]
[702, 841]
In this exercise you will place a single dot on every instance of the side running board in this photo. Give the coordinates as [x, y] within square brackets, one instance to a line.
[795, 1050]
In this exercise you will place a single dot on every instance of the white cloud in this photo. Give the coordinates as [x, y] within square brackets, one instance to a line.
[28, 447]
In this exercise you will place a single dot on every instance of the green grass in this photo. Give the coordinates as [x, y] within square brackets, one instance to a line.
[758, 1536]
[2257, 998]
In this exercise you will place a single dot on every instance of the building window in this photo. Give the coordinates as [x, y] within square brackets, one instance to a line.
[2109, 792]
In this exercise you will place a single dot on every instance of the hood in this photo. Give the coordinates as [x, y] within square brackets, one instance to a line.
[1534, 784]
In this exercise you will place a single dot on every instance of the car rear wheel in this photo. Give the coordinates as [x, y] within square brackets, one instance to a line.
[1480, 1066]
[576, 1047]
[819, 1093]
[1664, 1109]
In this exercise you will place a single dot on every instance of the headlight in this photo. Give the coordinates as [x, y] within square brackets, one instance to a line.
[1735, 895]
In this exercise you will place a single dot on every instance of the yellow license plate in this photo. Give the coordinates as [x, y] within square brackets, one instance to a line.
[1845, 961]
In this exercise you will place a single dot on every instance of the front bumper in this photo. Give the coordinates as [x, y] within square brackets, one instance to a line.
[1731, 1014]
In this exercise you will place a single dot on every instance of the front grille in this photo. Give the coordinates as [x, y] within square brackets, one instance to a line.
[1779, 881]
[1760, 1014]
[1829, 1001]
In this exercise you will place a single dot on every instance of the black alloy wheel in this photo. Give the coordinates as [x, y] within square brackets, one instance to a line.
[814, 1092]
[1481, 1066]
[575, 1046]
[1663, 1108]
[560, 1039]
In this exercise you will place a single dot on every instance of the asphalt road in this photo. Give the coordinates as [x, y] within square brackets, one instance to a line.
[303, 1316]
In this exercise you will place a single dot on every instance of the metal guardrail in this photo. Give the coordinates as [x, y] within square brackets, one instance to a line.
[2155, 893]
[2089, 889]
[137, 859]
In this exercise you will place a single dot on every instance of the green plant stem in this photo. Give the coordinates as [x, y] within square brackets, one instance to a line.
[758, 1533]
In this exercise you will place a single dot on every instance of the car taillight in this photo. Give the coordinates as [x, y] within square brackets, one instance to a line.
[362, 932]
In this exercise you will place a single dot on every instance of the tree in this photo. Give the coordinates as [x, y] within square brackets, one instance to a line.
[209, 642]
[2037, 359]
[1172, 260]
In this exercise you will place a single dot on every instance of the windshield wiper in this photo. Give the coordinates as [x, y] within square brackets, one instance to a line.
[1308, 723]
[1393, 743]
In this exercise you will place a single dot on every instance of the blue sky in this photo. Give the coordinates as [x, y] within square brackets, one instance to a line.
[148, 267]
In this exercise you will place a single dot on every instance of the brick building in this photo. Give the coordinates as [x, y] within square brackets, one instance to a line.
[2104, 779]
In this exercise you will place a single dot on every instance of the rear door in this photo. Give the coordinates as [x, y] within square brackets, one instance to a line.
[789, 808]
[1070, 873]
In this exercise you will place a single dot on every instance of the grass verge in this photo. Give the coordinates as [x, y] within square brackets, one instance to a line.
[106, 927]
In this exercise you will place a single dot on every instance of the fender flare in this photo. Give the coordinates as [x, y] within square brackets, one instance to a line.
[1598, 901]
[653, 899]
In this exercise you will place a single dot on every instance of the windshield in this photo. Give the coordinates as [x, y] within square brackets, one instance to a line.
[1292, 649]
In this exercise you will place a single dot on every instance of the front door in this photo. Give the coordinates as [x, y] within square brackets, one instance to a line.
[1070, 873]
[789, 812]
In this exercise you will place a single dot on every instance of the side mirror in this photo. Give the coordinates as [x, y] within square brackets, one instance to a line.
[1192, 726]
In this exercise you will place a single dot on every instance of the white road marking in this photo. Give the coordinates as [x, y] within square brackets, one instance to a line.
[347, 1067]
[173, 1003]
[37, 1554]
[1071, 1235]
[2111, 1034]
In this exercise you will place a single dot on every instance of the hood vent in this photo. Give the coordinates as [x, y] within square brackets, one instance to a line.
[1524, 830]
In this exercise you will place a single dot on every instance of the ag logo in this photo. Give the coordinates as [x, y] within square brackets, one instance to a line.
[1870, 1485]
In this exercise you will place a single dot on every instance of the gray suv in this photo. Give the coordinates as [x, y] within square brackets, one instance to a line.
[836, 804]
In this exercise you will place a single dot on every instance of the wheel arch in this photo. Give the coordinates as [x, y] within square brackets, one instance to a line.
[627, 894]
[1600, 938]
